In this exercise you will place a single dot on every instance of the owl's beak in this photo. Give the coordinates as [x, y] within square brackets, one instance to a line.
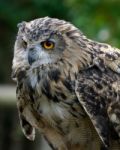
[36, 53]
[32, 55]
[30, 59]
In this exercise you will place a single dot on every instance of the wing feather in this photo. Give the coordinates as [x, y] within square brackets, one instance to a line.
[22, 104]
[96, 91]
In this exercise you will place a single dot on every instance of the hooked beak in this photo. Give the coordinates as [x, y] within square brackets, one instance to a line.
[33, 53]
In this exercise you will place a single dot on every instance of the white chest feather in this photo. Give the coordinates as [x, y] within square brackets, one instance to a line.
[53, 110]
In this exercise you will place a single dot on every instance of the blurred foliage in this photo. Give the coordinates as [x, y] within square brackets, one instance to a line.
[98, 19]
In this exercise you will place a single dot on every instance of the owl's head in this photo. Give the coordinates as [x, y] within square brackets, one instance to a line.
[44, 41]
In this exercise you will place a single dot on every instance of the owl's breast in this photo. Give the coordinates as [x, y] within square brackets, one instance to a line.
[54, 100]
[53, 97]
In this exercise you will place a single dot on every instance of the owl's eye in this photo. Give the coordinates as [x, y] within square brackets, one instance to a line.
[24, 44]
[48, 45]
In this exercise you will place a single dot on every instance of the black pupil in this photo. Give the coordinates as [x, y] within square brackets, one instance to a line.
[48, 43]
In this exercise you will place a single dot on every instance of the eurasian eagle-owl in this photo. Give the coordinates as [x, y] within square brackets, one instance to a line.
[68, 86]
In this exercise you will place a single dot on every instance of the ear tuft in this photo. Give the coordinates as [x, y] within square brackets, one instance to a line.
[21, 26]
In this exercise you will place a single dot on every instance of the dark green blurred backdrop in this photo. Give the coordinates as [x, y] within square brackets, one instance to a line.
[98, 19]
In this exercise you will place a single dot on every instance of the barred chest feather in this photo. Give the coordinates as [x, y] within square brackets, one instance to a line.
[53, 98]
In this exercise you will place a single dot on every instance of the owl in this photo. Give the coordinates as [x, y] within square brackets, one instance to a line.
[68, 86]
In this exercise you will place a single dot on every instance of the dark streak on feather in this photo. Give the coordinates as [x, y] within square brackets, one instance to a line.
[62, 95]
[71, 32]
[54, 75]
[55, 99]
[28, 128]
[20, 85]
[20, 109]
[21, 75]
[68, 85]
[49, 143]
[46, 89]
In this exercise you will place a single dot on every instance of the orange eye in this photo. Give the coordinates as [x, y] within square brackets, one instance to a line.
[48, 45]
